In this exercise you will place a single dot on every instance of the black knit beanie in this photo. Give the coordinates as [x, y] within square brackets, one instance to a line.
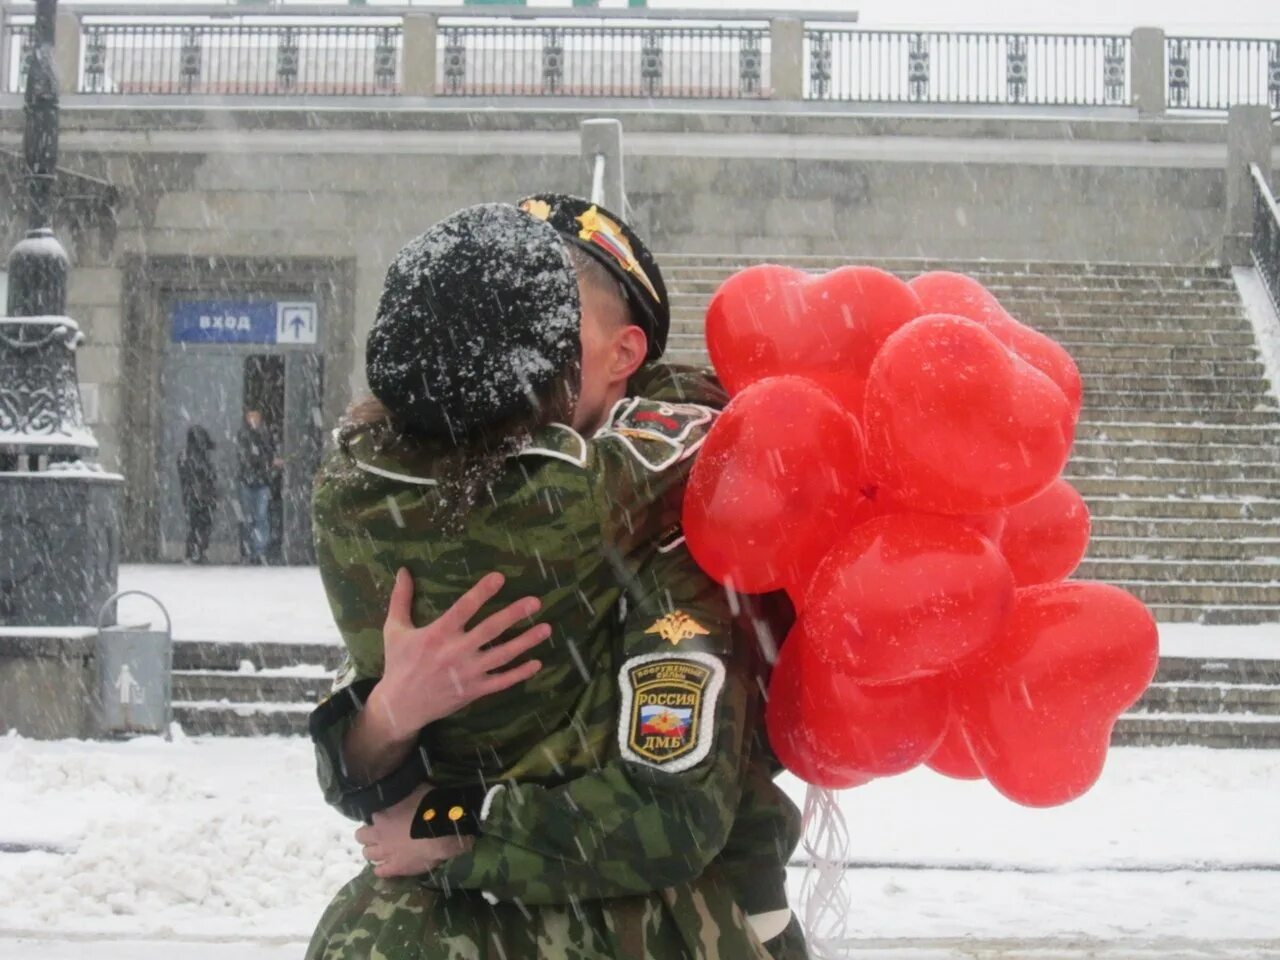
[478, 317]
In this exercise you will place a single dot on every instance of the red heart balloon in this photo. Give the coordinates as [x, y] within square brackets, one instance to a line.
[849, 728]
[768, 321]
[1038, 707]
[954, 293]
[771, 482]
[953, 758]
[1045, 538]
[871, 504]
[957, 424]
[802, 747]
[906, 596]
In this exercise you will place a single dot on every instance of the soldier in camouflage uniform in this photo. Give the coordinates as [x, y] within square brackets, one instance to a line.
[622, 799]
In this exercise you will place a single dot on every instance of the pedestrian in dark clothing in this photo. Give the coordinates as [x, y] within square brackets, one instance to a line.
[256, 451]
[199, 481]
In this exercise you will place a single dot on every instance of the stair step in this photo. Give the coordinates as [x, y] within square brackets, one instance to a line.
[215, 685]
[1169, 509]
[913, 265]
[1204, 473]
[1175, 452]
[1140, 730]
[228, 720]
[1207, 594]
[1267, 436]
[1189, 572]
[1154, 487]
[1213, 700]
[1210, 613]
[1138, 549]
[1229, 670]
[218, 655]
[694, 349]
[1198, 530]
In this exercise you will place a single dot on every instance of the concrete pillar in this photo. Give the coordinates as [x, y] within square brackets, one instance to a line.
[786, 58]
[1146, 71]
[1248, 143]
[419, 53]
[66, 51]
[604, 138]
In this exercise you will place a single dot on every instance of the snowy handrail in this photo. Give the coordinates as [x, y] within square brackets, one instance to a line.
[1265, 244]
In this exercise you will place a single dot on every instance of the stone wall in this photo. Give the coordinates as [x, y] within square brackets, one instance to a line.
[342, 189]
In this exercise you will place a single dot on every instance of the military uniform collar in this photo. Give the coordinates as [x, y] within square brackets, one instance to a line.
[557, 441]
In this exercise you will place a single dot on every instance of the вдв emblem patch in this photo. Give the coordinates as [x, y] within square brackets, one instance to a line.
[676, 626]
[668, 709]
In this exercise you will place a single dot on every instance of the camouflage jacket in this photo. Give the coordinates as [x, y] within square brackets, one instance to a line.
[634, 760]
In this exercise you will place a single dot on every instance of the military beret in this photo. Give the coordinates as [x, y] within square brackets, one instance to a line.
[607, 238]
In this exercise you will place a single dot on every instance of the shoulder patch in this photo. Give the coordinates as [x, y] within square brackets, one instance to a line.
[658, 434]
[669, 709]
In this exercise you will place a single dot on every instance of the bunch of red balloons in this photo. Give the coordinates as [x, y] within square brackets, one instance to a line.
[891, 458]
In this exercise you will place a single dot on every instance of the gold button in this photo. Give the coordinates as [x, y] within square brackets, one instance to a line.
[456, 813]
[428, 814]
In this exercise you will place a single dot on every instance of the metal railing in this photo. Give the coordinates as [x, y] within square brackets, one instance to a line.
[309, 49]
[884, 66]
[637, 60]
[1265, 245]
[1209, 73]
[237, 59]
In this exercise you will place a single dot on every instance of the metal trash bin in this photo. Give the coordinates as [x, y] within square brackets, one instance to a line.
[135, 671]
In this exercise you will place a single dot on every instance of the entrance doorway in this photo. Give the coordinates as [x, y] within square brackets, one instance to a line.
[212, 386]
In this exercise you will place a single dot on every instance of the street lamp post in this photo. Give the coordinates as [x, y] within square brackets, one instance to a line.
[58, 509]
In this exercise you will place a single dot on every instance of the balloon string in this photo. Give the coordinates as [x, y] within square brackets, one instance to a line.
[825, 900]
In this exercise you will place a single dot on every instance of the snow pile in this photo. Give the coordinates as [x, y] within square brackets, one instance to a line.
[228, 838]
[203, 837]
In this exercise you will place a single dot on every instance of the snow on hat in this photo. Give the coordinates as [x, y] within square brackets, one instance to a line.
[478, 317]
[606, 236]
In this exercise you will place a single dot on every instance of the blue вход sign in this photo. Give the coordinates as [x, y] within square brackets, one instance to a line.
[223, 321]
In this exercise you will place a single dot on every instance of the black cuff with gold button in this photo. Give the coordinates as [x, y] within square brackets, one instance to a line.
[449, 812]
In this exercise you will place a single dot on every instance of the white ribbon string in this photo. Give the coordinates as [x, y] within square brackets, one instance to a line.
[825, 900]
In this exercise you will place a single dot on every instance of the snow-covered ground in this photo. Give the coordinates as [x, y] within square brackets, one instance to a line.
[224, 847]
[257, 604]
[287, 604]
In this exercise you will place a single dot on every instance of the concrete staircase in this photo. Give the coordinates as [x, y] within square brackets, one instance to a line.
[1178, 454]
[257, 689]
[1178, 449]
[249, 689]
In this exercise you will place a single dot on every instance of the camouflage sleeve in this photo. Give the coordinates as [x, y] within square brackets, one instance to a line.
[662, 807]
[340, 557]
[678, 383]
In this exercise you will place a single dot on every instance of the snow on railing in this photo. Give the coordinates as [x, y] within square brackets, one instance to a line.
[893, 66]
[1265, 245]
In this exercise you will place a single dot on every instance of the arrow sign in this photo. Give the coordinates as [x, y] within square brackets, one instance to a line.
[297, 323]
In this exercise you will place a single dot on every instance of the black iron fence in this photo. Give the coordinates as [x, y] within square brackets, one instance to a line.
[1265, 245]
[361, 51]
[240, 59]
[677, 61]
[1213, 73]
[889, 66]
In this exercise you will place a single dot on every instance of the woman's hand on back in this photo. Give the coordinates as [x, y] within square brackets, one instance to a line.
[433, 671]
